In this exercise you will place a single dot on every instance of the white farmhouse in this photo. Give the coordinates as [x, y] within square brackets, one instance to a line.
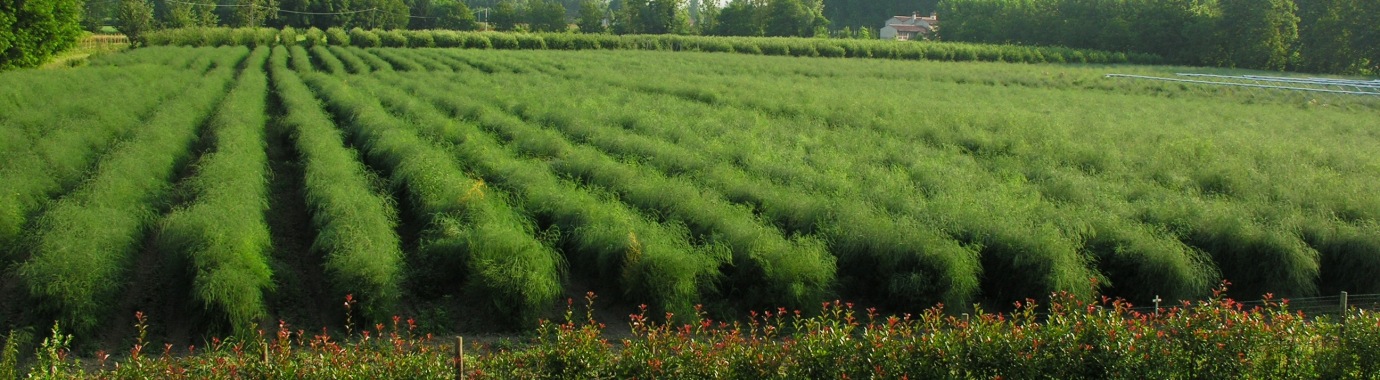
[905, 28]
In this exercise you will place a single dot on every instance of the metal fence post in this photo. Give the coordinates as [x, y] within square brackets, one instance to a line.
[459, 358]
[1344, 307]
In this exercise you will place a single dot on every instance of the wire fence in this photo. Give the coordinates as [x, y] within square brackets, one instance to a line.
[1316, 85]
[103, 42]
[1310, 306]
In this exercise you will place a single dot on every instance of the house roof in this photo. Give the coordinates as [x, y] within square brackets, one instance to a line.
[913, 20]
[908, 28]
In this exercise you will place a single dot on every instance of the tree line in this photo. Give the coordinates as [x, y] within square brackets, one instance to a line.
[1331, 36]
[31, 31]
[799, 18]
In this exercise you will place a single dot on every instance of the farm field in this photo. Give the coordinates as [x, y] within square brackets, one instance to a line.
[241, 185]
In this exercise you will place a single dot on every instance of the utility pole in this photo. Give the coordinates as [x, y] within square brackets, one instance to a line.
[485, 18]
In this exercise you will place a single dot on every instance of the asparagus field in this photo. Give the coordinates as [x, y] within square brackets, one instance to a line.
[252, 181]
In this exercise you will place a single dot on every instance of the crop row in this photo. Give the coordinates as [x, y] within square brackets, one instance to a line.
[470, 229]
[85, 242]
[663, 118]
[768, 267]
[893, 257]
[222, 233]
[1222, 212]
[1139, 232]
[923, 267]
[355, 224]
[994, 207]
[720, 179]
[648, 261]
[41, 155]
[798, 47]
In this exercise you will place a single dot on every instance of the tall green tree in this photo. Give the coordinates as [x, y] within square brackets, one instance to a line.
[591, 18]
[97, 14]
[651, 17]
[382, 14]
[794, 18]
[1325, 35]
[419, 12]
[453, 15]
[504, 15]
[741, 18]
[628, 15]
[1258, 34]
[545, 16]
[1366, 35]
[666, 16]
[787, 18]
[707, 18]
[31, 31]
[186, 14]
[134, 17]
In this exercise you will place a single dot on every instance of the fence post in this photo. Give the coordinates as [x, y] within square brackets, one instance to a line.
[459, 358]
[1343, 307]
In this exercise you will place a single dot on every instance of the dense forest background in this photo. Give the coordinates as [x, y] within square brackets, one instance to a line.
[1331, 36]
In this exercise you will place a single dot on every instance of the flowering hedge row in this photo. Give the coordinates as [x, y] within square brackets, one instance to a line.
[1066, 339]
[807, 47]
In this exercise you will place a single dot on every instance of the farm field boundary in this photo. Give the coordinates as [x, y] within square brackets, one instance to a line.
[797, 47]
[489, 185]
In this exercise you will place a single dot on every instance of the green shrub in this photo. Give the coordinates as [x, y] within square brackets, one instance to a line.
[803, 49]
[530, 41]
[502, 40]
[964, 53]
[421, 38]
[911, 53]
[313, 37]
[365, 38]
[287, 36]
[448, 39]
[773, 47]
[559, 41]
[391, 38]
[337, 37]
[945, 54]
[479, 41]
[715, 46]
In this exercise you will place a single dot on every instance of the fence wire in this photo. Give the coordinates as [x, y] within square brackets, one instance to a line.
[1317, 85]
[1309, 306]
